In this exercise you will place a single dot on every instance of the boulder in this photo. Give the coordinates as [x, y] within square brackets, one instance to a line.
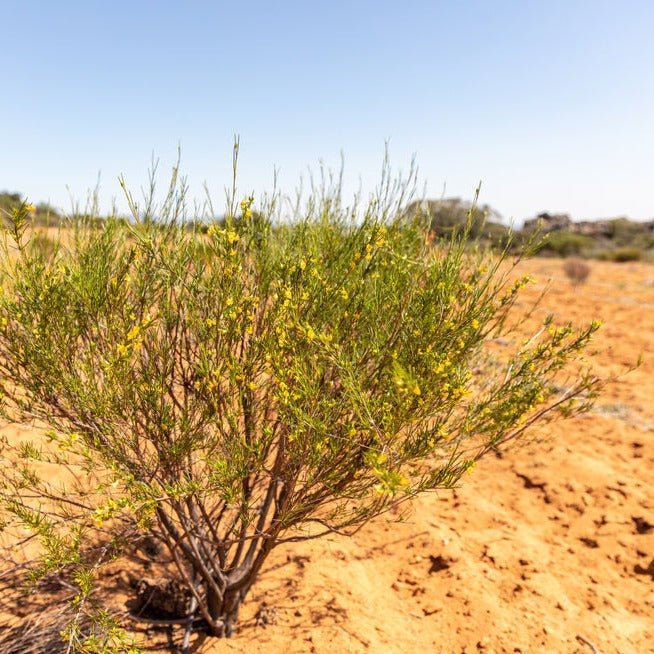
[548, 222]
[593, 228]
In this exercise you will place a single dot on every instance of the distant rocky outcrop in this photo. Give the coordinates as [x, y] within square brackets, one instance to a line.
[602, 228]
[593, 228]
[548, 222]
[619, 239]
[557, 234]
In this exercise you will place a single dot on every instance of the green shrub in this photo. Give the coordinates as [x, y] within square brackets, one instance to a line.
[285, 384]
[627, 232]
[9, 201]
[565, 244]
[623, 255]
[453, 216]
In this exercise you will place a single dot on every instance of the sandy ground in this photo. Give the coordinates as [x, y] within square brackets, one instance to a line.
[549, 548]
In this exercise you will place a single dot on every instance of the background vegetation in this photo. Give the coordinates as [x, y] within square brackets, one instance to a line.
[616, 239]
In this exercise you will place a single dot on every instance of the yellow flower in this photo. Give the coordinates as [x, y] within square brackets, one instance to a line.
[475, 323]
[246, 205]
[310, 333]
[344, 294]
[211, 322]
[232, 237]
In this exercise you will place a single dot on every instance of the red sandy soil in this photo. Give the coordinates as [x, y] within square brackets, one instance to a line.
[549, 548]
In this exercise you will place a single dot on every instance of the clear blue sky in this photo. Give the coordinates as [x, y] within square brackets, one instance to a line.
[550, 103]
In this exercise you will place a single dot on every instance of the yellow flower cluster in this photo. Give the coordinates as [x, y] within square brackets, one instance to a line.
[230, 236]
[246, 207]
[107, 510]
[134, 337]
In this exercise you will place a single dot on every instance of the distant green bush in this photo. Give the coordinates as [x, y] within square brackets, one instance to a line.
[622, 255]
[42, 214]
[453, 216]
[628, 232]
[8, 203]
[645, 241]
[565, 244]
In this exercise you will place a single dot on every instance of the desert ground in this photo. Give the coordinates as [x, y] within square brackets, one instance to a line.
[548, 547]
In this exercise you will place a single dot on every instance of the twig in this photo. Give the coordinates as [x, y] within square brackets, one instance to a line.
[160, 622]
[189, 626]
[585, 641]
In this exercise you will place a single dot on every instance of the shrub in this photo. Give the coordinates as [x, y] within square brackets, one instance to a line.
[625, 254]
[565, 244]
[9, 201]
[286, 384]
[625, 232]
[576, 270]
[451, 216]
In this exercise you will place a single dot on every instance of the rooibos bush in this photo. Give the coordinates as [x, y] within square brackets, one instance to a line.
[256, 385]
